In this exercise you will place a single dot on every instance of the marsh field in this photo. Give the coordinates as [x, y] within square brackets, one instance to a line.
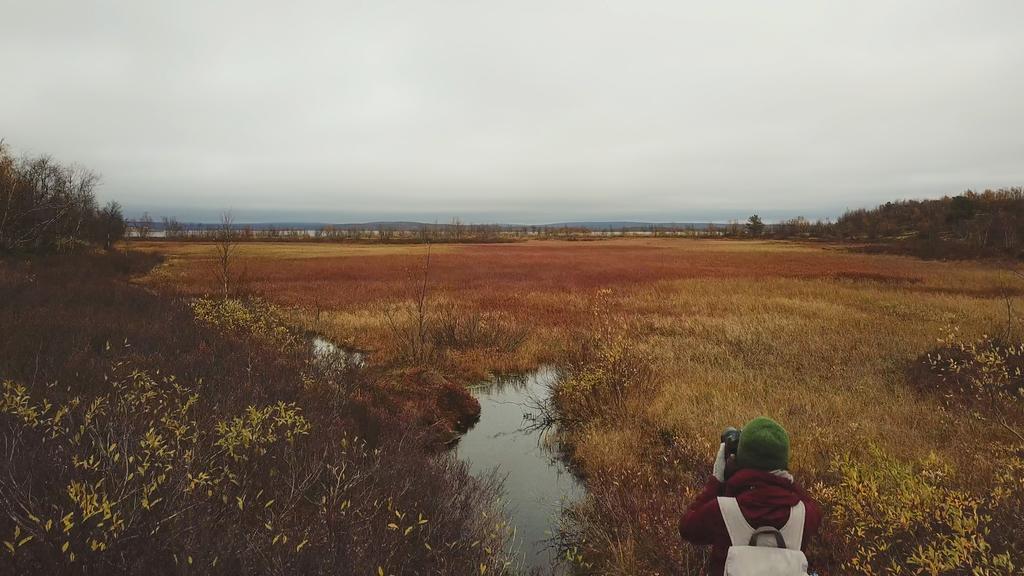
[535, 407]
[660, 344]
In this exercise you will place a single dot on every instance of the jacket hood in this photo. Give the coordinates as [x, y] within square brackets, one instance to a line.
[761, 494]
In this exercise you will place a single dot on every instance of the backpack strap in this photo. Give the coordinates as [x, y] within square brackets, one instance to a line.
[743, 534]
[739, 529]
[793, 531]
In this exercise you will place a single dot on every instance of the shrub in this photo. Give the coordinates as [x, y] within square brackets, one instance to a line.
[454, 329]
[986, 374]
[256, 318]
[604, 372]
[135, 480]
[628, 521]
[199, 447]
[439, 335]
[887, 517]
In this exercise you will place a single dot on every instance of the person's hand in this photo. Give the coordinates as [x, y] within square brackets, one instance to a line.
[718, 471]
[731, 466]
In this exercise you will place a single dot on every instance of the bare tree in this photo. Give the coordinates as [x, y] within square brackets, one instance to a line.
[226, 247]
[43, 204]
[421, 306]
[109, 225]
[144, 226]
[415, 340]
[173, 228]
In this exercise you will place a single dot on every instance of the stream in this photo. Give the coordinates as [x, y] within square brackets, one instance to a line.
[537, 483]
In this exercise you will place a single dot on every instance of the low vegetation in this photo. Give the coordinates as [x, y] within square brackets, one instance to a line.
[218, 442]
[892, 517]
[144, 434]
[663, 343]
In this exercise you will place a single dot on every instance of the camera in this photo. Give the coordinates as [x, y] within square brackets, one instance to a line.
[731, 439]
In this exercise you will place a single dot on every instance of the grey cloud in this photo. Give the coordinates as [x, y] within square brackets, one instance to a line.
[528, 111]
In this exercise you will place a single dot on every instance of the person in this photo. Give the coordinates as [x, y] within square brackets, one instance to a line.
[758, 477]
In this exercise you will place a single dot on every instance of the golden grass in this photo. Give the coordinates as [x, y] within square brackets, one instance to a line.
[825, 358]
[814, 335]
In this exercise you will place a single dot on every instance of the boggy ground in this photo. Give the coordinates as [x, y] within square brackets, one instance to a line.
[664, 343]
[144, 434]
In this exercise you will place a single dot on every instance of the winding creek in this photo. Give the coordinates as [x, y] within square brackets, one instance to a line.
[537, 483]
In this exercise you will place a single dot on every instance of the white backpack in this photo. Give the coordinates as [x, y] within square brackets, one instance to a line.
[763, 551]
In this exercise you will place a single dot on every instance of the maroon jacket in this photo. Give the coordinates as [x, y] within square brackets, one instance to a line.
[765, 500]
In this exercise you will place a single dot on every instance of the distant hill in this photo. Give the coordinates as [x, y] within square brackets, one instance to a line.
[627, 225]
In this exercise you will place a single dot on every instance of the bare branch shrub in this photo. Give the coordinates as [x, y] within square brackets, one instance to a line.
[225, 254]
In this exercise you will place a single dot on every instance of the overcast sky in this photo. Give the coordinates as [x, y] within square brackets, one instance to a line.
[519, 110]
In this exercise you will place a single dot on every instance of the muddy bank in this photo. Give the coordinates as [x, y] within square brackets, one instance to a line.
[444, 408]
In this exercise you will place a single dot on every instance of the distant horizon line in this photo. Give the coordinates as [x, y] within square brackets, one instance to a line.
[264, 216]
[595, 224]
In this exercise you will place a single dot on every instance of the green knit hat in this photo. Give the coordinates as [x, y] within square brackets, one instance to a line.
[764, 445]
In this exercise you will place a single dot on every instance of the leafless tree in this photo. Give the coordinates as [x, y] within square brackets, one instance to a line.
[415, 341]
[226, 248]
[144, 226]
[173, 228]
[43, 204]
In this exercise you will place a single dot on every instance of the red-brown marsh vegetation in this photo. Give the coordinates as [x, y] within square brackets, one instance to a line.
[665, 342]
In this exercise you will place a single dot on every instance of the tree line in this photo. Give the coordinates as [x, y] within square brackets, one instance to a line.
[971, 224]
[455, 232]
[985, 223]
[49, 206]
[993, 219]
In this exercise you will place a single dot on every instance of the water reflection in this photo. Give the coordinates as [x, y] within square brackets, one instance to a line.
[537, 483]
[326, 351]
